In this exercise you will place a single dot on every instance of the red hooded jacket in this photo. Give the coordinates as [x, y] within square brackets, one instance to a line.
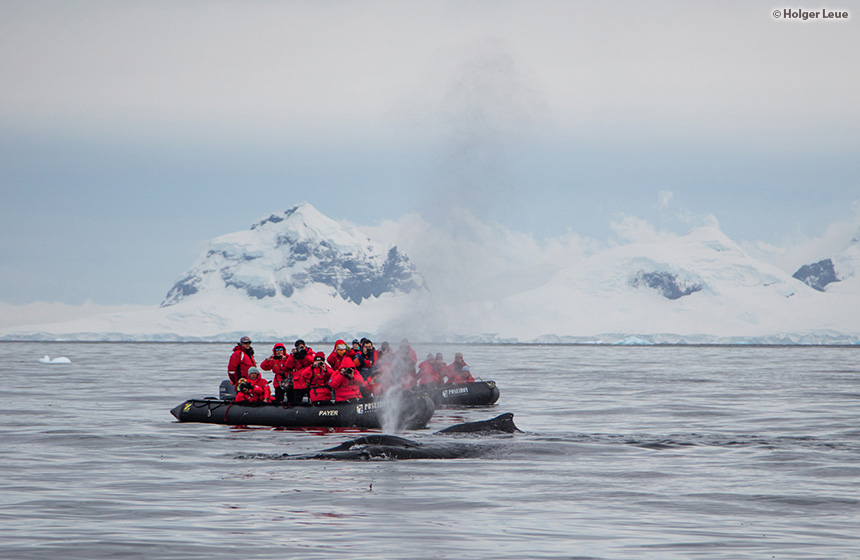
[344, 387]
[283, 376]
[318, 380]
[295, 364]
[240, 360]
[427, 373]
[259, 391]
[334, 359]
[461, 374]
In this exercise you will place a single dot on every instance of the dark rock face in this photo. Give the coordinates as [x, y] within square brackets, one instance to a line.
[356, 279]
[817, 275]
[273, 219]
[254, 291]
[669, 285]
[189, 285]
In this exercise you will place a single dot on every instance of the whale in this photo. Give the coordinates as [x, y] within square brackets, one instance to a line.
[503, 423]
[385, 446]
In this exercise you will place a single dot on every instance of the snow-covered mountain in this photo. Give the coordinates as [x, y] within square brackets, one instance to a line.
[293, 274]
[700, 287]
[291, 254]
[301, 274]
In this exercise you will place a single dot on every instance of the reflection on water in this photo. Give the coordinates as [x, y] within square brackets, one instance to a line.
[628, 452]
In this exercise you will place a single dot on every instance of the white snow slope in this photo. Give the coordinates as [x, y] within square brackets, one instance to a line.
[301, 274]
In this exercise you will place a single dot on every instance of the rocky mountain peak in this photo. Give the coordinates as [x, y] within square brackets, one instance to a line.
[294, 251]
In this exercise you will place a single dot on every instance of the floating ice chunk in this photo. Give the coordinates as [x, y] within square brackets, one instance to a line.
[60, 360]
[634, 341]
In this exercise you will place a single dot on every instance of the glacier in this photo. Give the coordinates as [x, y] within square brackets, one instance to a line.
[300, 274]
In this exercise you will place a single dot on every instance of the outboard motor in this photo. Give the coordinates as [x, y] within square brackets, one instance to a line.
[226, 392]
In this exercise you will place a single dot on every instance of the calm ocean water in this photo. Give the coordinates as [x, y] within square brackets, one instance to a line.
[628, 453]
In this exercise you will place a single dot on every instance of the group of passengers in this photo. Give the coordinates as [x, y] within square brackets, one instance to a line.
[347, 374]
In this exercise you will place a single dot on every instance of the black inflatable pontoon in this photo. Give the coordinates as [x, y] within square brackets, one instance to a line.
[477, 393]
[415, 413]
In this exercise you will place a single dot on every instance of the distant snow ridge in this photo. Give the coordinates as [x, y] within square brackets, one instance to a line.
[300, 248]
[299, 274]
[847, 263]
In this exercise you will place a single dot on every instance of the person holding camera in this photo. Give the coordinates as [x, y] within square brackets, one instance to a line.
[300, 358]
[283, 377]
[318, 377]
[346, 382]
[253, 389]
[241, 360]
[366, 360]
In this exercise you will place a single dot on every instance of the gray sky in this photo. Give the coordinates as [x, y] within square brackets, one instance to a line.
[132, 132]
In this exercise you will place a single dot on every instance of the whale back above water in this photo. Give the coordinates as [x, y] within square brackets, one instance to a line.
[502, 423]
[384, 446]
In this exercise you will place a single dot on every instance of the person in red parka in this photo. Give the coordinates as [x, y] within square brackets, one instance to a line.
[465, 376]
[241, 360]
[283, 377]
[300, 357]
[253, 389]
[459, 371]
[346, 382]
[427, 372]
[318, 377]
[441, 367]
[337, 355]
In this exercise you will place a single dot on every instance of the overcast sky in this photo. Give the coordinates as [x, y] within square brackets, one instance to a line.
[133, 132]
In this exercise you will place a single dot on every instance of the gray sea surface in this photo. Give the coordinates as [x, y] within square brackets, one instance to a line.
[627, 453]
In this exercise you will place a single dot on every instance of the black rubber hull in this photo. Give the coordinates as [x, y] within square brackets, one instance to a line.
[479, 393]
[415, 414]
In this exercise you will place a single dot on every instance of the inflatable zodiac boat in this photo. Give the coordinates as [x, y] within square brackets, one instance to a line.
[413, 412]
[477, 393]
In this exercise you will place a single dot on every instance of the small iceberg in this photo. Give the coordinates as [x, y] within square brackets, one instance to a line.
[634, 341]
[60, 360]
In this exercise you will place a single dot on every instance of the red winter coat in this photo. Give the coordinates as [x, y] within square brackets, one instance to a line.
[462, 377]
[318, 380]
[334, 360]
[283, 376]
[457, 375]
[442, 369]
[259, 392]
[344, 387]
[294, 365]
[241, 360]
[427, 373]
